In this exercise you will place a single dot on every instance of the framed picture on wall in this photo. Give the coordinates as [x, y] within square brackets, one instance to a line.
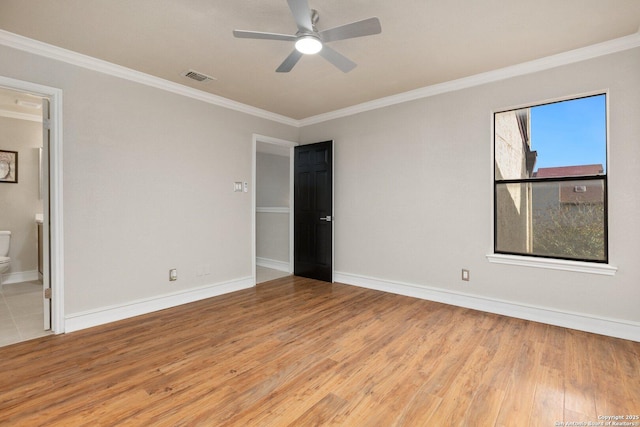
[8, 166]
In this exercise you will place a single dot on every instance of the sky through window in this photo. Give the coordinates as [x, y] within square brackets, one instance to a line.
[570, 133]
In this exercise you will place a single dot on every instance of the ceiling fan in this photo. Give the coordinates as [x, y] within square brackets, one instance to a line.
[308, 40]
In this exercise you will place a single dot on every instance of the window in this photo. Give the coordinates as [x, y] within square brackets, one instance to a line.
[550, 180]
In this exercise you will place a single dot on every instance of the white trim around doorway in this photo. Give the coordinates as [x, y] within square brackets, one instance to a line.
[54, 95]
[282, 143]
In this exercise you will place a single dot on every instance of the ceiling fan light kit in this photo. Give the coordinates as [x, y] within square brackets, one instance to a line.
[308, 40]
[309, 45]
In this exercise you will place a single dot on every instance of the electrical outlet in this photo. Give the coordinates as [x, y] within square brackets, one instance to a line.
[465, 275]
[173, 274]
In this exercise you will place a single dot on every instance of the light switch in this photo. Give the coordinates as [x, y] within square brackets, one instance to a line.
[237, 187]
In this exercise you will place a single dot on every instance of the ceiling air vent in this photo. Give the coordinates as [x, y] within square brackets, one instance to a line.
[199, 77]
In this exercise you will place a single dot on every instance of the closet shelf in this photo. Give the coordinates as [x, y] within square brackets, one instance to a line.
[284, 210]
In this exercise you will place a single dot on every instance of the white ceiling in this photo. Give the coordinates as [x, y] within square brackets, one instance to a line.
[423, 42]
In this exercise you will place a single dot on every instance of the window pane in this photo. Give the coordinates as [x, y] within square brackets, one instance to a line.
[514, 158]
[563, 219]
[570, 133]
[513, 218]
[548, 140]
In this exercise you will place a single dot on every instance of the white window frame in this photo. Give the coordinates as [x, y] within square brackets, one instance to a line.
[606, 269]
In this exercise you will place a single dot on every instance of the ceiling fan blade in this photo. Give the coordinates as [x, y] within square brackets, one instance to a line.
[242, 34]
[337, 59]
[366, 27]
[302, 14]
[288, 63]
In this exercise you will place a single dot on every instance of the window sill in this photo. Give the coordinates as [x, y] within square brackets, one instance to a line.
[554, 264]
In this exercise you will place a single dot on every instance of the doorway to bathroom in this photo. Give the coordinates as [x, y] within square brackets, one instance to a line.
[28, 292]
[272, 183]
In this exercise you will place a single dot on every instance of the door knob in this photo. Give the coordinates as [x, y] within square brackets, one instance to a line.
[327, 218]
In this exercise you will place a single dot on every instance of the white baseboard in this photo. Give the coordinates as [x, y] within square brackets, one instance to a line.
[274, 264]
[19, 276]
[604, 326]
[100, 316]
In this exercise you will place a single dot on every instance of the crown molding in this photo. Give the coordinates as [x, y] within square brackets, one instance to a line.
[560, 59]
[74, 58]
[49, 51]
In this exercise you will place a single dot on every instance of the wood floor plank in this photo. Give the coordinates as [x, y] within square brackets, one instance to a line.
[296, 351]
[518, 402]
[610, 363]
[579, 398]
[459, 394]
[288, 402]
[320, 413]
[420, 407]
[484, 407]
[548, 400]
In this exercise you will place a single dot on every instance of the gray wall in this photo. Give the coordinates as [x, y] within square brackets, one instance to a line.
[148, 185]
[272, 180]
[413, 191]
[19, 202]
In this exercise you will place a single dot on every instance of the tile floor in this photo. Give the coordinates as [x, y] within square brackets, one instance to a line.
[264, 274]
[21, 312]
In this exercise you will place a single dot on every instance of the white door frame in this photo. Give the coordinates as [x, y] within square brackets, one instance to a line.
[283, 143]
[54, 224]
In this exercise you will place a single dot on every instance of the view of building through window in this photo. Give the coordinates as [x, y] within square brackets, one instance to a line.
[550, 180]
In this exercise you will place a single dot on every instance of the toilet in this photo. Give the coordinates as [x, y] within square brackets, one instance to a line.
[5, 261]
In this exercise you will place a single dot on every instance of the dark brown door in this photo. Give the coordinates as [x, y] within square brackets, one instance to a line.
[313, 210]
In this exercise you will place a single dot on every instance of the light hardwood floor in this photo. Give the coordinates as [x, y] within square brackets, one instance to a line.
[299, 352]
